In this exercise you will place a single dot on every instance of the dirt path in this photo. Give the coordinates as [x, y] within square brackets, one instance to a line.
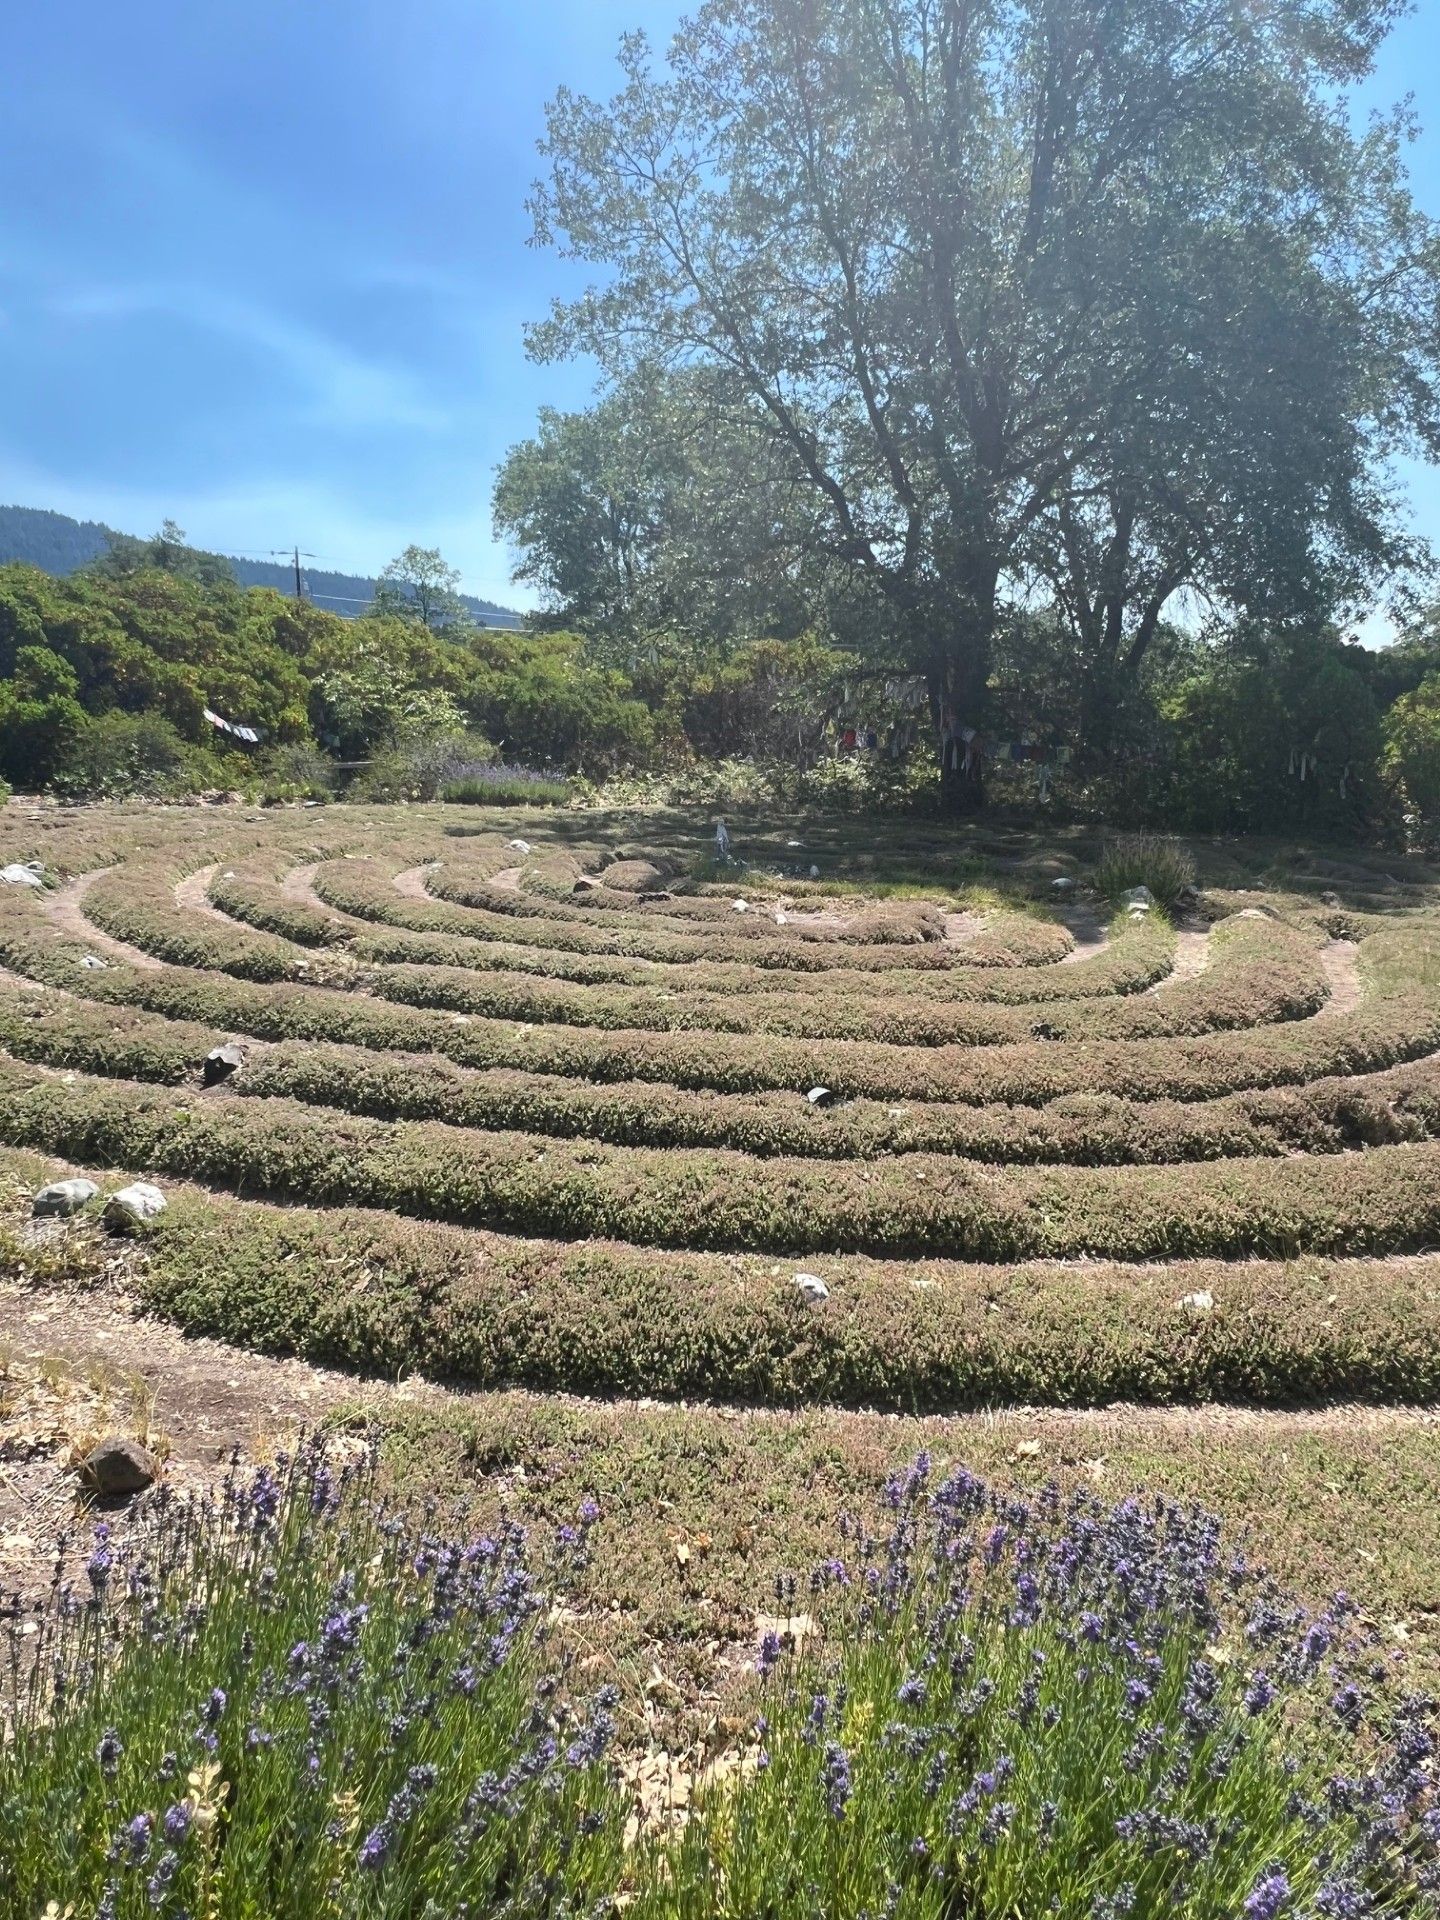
[1338, 958]
[65, 909]
[1192, 957]
[299, 885]
[410, 882]
[192, 894]
[1087, 929]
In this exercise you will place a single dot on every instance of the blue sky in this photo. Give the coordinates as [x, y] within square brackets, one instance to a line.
[263, 266]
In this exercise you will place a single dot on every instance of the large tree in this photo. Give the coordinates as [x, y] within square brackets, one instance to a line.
[958, 269]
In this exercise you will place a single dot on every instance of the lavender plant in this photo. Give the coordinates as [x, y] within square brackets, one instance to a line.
[1033, 1709]
[496, 784]
[287, 1700]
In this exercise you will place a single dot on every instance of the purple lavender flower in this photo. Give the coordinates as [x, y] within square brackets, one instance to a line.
[1259, 1693]
[375, 1848]
[157, 1886]
[1269, 1895]
[176, 1823]
[836, 1775]
[913, 1692]
[137, 1837]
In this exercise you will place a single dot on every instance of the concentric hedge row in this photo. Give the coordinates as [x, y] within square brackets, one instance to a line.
[518, 1089]
[364, 1289]
[1327, 1115]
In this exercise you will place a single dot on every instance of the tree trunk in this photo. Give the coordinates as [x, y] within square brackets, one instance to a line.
[957, 679]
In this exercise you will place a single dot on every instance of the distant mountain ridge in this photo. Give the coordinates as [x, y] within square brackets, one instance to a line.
[57, 544]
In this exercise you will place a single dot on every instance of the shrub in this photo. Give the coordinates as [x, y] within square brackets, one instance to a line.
[296, 771]
[420, 768]
[119, 754]
[286, 1699]
[1046, 1709]
[504, 786]
[1154, 860]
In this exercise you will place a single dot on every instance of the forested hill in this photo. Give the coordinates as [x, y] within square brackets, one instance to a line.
[58, 544]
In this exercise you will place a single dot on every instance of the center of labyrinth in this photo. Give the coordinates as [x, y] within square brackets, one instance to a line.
[561, 1111]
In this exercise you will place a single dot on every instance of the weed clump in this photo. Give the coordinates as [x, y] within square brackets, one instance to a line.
[1154, 860]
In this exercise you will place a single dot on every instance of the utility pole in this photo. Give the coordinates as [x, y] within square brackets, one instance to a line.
[295, 554]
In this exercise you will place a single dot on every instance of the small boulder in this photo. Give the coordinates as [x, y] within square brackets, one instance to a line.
[93, 963]
[1063, 885]
[814, 871]
[17, 876]
[740, 906]
[117, 1467]
[820, 1097]
[1201, 1302]
[811, 1287]
[62, 1198]
[585, 883]
[1329, 898]
[1138, 897]
[134, 1205]
[221, 1062]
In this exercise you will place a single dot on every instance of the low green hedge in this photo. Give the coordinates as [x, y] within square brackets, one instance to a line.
[1379, 1033]
[392, 1296]
[1383, 1201]
[1326, 1116]
[1138, 955]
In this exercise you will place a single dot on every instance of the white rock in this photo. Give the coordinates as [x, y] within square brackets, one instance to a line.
[1202, 1302]
[782, 919]
[814, 871]
[17, 876]
[1063, 884]
[794, 843]
[812, 1286]
[139, 1201]
[518, 846]
[740, 906]
[93, 961]
[1138, 897]
[63, 1197]
[1252, 913]
[819, 1096]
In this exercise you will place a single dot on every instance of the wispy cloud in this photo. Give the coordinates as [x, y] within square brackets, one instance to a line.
[344, 388]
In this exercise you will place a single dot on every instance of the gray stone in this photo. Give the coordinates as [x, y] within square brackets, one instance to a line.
[134, 1204]
[1137, 897]
[811, 1287]
[518, 846]
[1329, 899]
[17, 876]
[93, 963]
[820, 1097]
[1063, 885]
[62, 1198]
[221, 1062]
[118, 1466]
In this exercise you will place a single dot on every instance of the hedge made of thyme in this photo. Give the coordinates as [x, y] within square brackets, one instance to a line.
[1275, 977]
[1383, 1031]
[1326, 1116]
[373, 1292]
[1138, 954]
[1022, 941]
[1386, 1200]
[366, 889]
[136, 904]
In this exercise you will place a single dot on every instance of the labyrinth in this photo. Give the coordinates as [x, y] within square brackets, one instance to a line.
[872, 1117]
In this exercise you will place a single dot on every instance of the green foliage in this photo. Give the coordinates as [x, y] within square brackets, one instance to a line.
[1164, 865]
[40, 717]
[1412, 753]
[296, 1717]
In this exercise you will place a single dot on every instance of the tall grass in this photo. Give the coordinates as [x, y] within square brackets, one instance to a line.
[1154, 860]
